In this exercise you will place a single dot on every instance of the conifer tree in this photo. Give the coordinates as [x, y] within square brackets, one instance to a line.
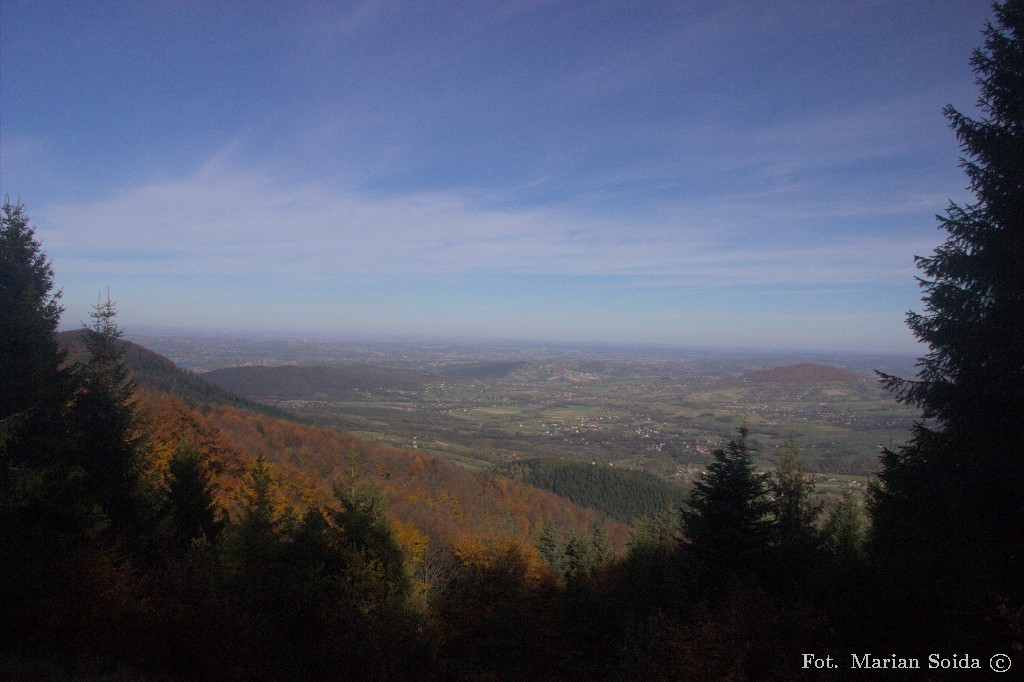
[599, 545]
[36, 518]
[726, 521]
[950, 505]
[794, 513]
[35, 386]
[367, 533]
[549, 544]
[29, 313]
[843, 530]
[107, 437]
[191, 495]
[254, 542]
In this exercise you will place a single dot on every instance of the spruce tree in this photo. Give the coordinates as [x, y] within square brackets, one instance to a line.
[726, 521]
[948, 513]
[549, 544]
[36, 388]
[190, 492]
[362, 520]
[843, 530]
[35, 384]
[107, 435]
[794, 512]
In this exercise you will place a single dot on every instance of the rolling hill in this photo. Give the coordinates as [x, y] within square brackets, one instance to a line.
[805, 373]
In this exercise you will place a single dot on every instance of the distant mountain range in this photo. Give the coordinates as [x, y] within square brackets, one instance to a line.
[808, 373]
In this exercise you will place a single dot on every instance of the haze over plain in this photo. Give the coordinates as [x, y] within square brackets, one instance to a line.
[736, 174]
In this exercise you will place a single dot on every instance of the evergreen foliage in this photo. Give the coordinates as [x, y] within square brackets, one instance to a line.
[622, 494]
[35, 517]
[108, 441]
[549, 544]
[843, 531]
[573, 557]
[726, 522]
[948, 514]
[36, 385]
[366, 531]
[794, 516]
[190, 493]
[654, 534]
[30, 359]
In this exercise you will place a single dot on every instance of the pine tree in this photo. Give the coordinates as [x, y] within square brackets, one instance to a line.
[794, 513]
[38, 522]
[35, 386]
[549, 544]
[107, 435]
[190, 492]
[949, 511]
[843, 530]
[726, 522]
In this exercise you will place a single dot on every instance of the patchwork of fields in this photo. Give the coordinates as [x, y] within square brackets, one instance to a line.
[657, 411]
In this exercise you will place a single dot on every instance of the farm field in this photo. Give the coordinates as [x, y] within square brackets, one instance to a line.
[659, 411]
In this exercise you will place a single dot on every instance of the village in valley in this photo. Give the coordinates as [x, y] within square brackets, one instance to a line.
[485, 404]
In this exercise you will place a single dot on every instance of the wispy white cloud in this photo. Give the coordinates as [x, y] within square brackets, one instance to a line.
[225, 220]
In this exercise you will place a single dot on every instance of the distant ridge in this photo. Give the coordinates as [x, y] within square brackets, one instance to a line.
[807, 372]
[482, 370]
[309, 381]
[154, 371]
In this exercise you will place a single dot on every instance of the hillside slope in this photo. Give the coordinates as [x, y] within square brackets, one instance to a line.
[427, 497]
[157, 372]
[622, 494]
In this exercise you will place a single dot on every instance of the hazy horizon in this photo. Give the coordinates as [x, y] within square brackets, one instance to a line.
[753, 175]
[823, 354]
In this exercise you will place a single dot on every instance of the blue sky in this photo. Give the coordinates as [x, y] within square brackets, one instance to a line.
[691, 173]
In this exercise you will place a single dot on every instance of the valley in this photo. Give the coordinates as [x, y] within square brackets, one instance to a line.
[486, 404]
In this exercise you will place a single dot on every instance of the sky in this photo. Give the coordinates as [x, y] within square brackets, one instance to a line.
[739, 174]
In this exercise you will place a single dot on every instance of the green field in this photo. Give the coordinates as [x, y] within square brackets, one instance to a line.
[656, 415]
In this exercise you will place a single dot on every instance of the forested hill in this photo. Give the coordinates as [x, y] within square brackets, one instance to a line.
[430, 500]
[154, 371]
[622, 494]
[804, 373]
